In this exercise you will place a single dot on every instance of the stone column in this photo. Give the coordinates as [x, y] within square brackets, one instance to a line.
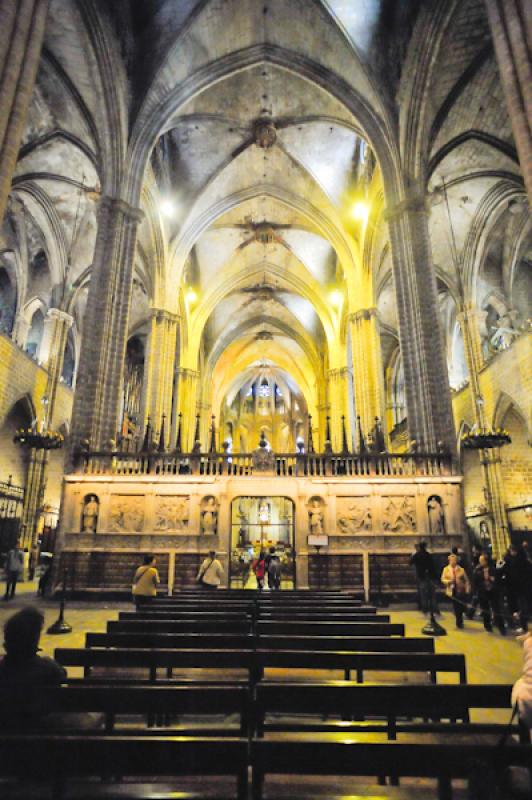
[468, 319]
[57, 325]
[98, 397]
[368, 375]
[187, 405]
[338, 405]
[428, 396]
[159, 376]
[22, 25]
[511, 31]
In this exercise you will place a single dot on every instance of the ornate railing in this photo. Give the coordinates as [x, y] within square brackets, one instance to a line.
[348, 465]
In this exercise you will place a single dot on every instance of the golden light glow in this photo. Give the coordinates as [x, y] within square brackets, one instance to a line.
[191, 296]
[335, 298]
[167, 208]
[360, 212]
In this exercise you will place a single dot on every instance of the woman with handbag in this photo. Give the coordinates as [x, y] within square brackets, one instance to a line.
[145, 581]
[210, 573]
[259, 568]
[456, 582]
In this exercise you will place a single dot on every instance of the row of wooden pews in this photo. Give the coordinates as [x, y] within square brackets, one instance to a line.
[239, 683]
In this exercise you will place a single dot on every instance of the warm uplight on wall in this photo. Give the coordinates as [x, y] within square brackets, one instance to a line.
[167, 208]
[335, 298]
[191, 296]
[360, 212]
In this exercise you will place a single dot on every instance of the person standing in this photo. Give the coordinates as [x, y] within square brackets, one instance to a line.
[518, 578]
[456, 583]
[423, 564]
[33, 561]
[145, 581]
[274, 572]
[259, 568]
[487, 592]
[14, 570]
[210, 573]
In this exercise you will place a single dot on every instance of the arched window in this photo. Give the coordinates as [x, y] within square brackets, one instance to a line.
[33, 342]
[8, 302]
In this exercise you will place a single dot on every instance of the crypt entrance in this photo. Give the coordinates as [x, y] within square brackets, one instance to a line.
[258, 524]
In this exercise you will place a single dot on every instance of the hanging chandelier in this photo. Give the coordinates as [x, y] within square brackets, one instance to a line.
[485, 439]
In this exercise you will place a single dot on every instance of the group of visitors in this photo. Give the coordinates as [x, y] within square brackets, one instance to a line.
[481, 584]
[146, 579]
[267, 565]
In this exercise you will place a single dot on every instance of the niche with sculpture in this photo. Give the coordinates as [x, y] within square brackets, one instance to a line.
[209, 516]
[436, 515]
[315, 508]
[90, 513]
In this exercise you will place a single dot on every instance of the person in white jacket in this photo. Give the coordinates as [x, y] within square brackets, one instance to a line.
[211, 572]
[522, 690]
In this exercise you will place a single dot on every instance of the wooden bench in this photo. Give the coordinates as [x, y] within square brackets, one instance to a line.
[133, 624]
[158, 704]
[333, 628]
[224, 641]
[153, 660]
[399, 708]
[284, 754]
[184, 616]
[55, 760]
[432, 663]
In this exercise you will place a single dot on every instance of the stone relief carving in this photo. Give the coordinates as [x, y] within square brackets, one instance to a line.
[172, 513]
[209, 516]
[399, 514]
[353, 515]
[126, 513]
[89, 516]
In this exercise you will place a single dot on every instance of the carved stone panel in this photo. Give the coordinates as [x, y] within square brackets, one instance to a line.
[353, 515]
[172, 514]
[399, 514]
[126, 514]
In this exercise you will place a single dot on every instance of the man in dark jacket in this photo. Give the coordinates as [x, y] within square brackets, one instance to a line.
[423, 563]
[486, 589]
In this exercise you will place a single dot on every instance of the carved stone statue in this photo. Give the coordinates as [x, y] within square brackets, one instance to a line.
[172, 513]
[91, 510]
[209, 516]
[315, 514]
[356, 517]
[436, 515]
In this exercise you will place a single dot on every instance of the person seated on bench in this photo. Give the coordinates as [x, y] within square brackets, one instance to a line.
[24, 675]
[145, 581]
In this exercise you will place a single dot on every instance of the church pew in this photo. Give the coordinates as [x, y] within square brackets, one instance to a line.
[55, 761]
[224, 641]
[255, 662]
[166, 612]
[391, 703]
[156, 703]
[328, 628]
[260, 608]
[184, 616]
[282, 754]
[347, 662]
[189, 627]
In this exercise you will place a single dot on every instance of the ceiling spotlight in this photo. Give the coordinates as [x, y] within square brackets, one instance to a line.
[360, 212]
[167, 208]
[335, 298]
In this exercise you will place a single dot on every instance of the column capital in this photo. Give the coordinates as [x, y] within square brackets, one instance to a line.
[116, 204]
[185, 372]
[61, 316]
[363, 314]
[338, 372]
[415, 201]
[162, 315]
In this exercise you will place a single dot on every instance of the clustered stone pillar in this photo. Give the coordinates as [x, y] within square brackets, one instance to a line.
[428, 396]
[160, 368]
[511, 30]
[97, 402]
[22, 25]
[187, 404]
[468, 319]
[338, 404]
[57, 325]
[367, 367]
